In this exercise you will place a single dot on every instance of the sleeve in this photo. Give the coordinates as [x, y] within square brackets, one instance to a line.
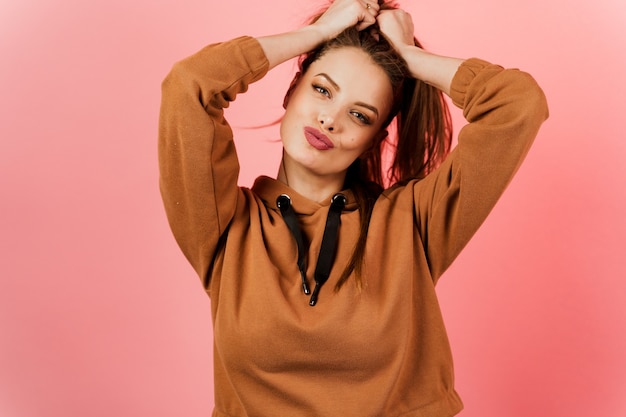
[197, 158]
[504, 108]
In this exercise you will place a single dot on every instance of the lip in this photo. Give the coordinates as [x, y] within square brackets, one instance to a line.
[317, 139]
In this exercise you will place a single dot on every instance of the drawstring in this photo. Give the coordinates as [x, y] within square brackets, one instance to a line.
[329, 241]
[284, 204]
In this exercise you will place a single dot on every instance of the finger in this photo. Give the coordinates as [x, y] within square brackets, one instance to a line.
[368, 20]
[375, 33]
[372, 7]
[371, 10]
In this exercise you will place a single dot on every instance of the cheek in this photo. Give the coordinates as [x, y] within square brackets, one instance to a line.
[290, 117]
[360, 143]
[297, 99]
[295, 109]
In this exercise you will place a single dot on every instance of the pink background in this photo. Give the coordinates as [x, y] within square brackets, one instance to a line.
[100, 315]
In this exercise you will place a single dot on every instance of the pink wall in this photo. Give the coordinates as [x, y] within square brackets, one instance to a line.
[101, 316]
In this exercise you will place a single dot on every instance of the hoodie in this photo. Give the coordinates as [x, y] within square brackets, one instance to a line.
[379, 350]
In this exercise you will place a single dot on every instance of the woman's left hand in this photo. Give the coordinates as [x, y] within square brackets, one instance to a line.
[397, 27]
[436, 70]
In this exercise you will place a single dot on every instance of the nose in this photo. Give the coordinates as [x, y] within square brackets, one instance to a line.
[327, 121]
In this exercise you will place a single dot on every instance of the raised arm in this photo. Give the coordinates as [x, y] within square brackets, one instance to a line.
[504, 108]
[197, 160]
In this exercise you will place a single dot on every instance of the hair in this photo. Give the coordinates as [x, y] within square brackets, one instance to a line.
[419, 116]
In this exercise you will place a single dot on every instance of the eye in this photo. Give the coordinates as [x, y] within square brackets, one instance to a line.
[361, 117]
[321, 90]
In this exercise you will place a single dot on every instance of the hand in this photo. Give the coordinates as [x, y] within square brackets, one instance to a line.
[397, 27]
[343, 14]
[436, 70]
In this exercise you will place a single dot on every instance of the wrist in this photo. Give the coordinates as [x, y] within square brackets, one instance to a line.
[285, 46]
[315, 35]
[322, 32]
[436, 70]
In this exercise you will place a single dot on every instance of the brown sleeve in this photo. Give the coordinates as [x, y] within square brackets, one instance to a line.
[505, 109]
[197, 159]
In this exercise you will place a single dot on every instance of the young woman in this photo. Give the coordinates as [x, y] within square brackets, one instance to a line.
[322, 281]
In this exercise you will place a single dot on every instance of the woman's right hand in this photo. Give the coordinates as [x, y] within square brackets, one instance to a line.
[343, 14]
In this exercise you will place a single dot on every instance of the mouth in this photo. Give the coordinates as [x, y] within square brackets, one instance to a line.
[317, 139]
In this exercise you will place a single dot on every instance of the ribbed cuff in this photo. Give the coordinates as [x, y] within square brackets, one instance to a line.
[463, 78]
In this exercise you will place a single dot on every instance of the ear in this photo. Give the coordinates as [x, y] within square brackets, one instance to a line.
[292, 87]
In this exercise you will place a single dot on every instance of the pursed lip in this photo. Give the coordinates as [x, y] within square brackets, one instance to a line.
[317, 139]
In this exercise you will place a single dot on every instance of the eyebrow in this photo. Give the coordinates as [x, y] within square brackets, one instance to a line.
[336, 87]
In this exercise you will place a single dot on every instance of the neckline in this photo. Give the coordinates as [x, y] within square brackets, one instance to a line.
[269, 189]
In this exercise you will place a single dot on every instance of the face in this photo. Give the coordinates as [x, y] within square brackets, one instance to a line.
[335, 112]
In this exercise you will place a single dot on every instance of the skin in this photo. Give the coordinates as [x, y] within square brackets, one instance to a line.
[397, 27]
[347, 106]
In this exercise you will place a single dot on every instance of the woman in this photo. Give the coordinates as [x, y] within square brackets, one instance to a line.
[321, 281]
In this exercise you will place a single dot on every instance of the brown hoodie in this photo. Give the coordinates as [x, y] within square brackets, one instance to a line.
[380, 351]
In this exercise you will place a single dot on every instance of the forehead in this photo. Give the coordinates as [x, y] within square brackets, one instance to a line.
[353, 70]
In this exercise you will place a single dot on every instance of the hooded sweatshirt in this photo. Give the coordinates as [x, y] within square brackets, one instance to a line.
[378, 350]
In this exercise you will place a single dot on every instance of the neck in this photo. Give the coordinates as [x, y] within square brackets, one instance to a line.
[308, 184]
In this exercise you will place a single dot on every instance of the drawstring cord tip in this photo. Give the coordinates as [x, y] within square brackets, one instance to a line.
[316, 291]
[305, 286]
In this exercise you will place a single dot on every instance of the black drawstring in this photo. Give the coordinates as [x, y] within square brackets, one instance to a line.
[329, 241]
[284, 204]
